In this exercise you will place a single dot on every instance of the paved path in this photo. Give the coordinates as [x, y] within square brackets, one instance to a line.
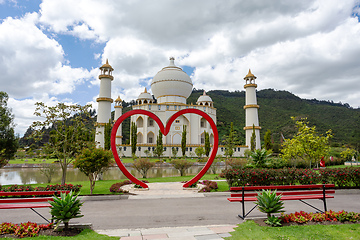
[172, 213]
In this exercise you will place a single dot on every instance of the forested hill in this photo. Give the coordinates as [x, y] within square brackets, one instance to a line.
[276, 109]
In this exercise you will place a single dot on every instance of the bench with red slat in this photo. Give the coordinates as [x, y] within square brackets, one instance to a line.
[310, 192]
[34, 202]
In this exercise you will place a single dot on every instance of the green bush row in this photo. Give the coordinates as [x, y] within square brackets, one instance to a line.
[341, 177]
[53, 187]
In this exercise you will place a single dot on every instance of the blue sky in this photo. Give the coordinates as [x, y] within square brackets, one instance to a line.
[51, 49]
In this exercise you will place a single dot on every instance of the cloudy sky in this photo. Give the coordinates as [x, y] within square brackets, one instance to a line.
[51, 50]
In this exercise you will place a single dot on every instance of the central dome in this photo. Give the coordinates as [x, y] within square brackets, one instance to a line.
[171, 84]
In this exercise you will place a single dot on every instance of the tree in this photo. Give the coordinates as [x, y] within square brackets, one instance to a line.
[307, 144]
[143, 166]
[207, 143]
[92, 162]
[48, 170]
[267, 140]
[182, 165]
[253, 140]
[133, 137]
[69, 135]
[159, 145]
[8, 141]
[174, 151]
[199, 151]
[230, 141]
[107, 135]
[183, 141]
[348, 154]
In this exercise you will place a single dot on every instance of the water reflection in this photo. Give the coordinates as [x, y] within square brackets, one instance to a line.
[33, 175]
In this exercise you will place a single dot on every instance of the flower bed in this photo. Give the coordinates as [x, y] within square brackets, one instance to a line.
[28, 229]
[329, 216]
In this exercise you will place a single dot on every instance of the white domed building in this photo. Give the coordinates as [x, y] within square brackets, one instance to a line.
[171, 87]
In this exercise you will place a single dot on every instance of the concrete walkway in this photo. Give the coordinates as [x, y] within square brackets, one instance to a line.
[162, 191]
[215, 232]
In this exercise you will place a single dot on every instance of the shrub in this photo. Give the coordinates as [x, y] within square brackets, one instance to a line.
[116, 187]
[259, 157]
[65, 208]
[143, 166]
[268, 202]
[182, 165]
[341, 177]
[209, 186]
[304, 217]
[238, 163]
[21, 230]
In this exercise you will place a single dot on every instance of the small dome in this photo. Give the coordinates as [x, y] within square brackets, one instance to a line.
[145, 96]
[107, 65]
[250, 75]
[118, 99]
[171, 84]
[204, 98]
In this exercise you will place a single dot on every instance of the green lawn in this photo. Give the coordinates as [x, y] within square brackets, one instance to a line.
[31, 160]
[87, 234]
[124, 160]
[250, 230]
[102, 186]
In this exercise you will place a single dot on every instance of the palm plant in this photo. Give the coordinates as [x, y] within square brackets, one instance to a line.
[268, 202]
[259, 157]
[65, 208]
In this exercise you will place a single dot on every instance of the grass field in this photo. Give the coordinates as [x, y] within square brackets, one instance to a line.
[250, 230]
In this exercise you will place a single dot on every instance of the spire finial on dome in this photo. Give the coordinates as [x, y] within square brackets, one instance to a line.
[250, 74]
[204, 93]
[107, 61]
[145, 91]
[172, 59]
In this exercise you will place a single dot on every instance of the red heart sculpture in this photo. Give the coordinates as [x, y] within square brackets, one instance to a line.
[164, 131]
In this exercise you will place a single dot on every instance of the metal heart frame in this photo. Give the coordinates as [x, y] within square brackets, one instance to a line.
[164, 131]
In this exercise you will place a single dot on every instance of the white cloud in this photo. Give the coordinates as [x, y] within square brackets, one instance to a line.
[308, 47]
[31, 63]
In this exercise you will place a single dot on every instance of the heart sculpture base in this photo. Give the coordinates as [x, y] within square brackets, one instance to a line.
[165, 131]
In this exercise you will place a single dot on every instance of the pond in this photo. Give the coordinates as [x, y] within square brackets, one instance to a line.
[33, 175]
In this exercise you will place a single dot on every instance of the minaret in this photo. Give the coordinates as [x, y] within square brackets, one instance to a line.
[118, 112]
[251, 110]
[104, 103]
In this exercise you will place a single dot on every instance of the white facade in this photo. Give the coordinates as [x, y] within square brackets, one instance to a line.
[251, 111]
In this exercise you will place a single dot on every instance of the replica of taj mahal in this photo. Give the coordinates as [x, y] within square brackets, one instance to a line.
[171, 86]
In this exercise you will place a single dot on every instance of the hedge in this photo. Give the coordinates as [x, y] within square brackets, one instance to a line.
[341, 177]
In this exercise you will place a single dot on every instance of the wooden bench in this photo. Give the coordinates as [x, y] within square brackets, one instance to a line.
[33, 202]
[287, 192]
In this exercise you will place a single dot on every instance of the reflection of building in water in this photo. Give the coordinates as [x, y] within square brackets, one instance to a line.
[171, 86]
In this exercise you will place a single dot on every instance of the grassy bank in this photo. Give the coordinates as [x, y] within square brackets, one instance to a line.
[250, 230]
